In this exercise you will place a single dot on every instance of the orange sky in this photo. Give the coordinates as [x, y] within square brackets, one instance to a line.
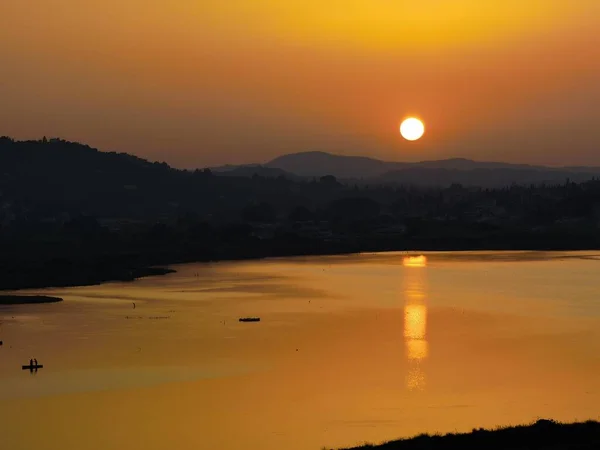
[205, 82]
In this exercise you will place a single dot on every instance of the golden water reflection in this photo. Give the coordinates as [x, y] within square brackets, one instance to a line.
[415, 261]
[415, 320]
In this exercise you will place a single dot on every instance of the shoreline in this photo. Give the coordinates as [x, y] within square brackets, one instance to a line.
[541, 435]
[9, 300]
[127, 274]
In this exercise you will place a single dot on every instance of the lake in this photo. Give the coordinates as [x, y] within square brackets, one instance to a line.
[349, 349]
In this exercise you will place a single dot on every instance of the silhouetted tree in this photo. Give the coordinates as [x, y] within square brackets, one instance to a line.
[263, 212]
[329, 180]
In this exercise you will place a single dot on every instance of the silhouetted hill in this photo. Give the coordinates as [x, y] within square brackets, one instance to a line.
[252, 170]
[317, 164]
[469, 164]
[426, 173]
[360, 169]
[497, 177]
[592, 169]
[58, 175]
[322, 163]
[70, 214]
[54, 180]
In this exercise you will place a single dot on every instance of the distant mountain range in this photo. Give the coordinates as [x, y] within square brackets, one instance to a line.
[22, 163]
[440, 173]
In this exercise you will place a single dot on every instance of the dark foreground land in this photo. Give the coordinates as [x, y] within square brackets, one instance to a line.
[27, 299]
[72, 215]
[18, 274]
[542, 435]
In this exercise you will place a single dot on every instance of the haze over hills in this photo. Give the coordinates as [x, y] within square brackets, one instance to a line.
[68, 160]
[256, 169]
[322, 163]
[71, 214]
[317, 164]
[438, 173]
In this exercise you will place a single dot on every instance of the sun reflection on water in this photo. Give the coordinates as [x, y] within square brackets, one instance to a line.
[415, 320]
[415, 261]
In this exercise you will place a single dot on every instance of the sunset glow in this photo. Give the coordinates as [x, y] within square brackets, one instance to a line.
[299, 224]
[166, 80]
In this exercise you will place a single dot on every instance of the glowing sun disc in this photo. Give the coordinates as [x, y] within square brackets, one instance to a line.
[412, 129]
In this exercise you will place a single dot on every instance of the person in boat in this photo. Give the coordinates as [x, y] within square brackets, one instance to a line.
[30, 362]
[34, 361]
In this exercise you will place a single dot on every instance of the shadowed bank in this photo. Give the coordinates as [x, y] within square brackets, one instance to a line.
[27, 299]
[542, 435]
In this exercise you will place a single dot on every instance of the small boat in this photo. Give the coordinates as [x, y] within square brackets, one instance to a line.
[28, 367]
[250, 319]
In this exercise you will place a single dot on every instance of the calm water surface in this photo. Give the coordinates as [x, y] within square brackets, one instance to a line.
[349, 349]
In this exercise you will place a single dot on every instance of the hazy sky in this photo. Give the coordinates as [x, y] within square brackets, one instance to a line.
[205, 82]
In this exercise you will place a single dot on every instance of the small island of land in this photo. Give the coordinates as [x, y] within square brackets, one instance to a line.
[27, 299]
[542, 435]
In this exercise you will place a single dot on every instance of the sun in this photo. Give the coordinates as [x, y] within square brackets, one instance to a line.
[412, 129]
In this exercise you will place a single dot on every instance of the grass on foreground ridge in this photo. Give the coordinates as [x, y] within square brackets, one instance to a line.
[541, 435]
